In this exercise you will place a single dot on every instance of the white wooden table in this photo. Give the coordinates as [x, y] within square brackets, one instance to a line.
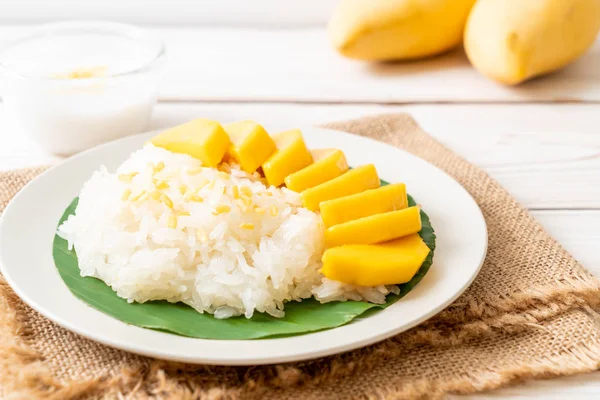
[541, 140]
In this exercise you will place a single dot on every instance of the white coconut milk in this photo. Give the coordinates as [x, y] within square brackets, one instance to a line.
[74, 88]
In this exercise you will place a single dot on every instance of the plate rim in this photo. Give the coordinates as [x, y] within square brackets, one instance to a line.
[132, 347]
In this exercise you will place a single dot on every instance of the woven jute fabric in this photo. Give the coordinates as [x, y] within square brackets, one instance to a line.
[531, 313]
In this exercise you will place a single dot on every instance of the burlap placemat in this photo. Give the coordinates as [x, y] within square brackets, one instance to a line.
[530, 313]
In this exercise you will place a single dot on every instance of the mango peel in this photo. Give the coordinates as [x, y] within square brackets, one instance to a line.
[379, 30]
[512, 41]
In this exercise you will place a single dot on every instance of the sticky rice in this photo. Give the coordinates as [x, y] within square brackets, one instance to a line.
[165, 228]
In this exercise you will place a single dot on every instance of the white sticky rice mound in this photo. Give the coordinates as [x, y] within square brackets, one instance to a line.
[262, 252]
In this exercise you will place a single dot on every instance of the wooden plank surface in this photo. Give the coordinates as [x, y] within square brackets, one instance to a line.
[299, 65]
[577, 387]
[260, 13]
[547, 156]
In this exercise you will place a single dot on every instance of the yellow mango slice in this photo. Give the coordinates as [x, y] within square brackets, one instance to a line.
[354, 181]
[388, 263]
[250, 145]
[375, 201]
[327, 164]
[375, 228]
[201, 138]
[291, 156]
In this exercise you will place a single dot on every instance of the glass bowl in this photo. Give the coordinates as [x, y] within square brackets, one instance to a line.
[73, 85]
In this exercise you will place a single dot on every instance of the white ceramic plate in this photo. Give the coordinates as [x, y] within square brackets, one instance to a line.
[28, 225]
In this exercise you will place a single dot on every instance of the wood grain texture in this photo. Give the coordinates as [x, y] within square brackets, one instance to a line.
[261, 13]
[548, 156]
[300, 65]
[578, 387]
[248, 64]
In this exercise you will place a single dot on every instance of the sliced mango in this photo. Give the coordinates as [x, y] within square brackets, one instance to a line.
[327, 164]
[388, 263]
[201, 138]
[360, 205]
[291, 156]
[375, 228]
[354, 181]
[250, 145]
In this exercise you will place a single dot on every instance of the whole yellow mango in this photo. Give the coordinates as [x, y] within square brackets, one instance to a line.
[397, 29]
[511, 41]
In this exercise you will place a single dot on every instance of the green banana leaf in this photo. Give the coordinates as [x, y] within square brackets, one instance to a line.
[177, 318]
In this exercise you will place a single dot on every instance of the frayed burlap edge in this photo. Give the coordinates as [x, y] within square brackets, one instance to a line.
[25, 376]
[522, 311]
